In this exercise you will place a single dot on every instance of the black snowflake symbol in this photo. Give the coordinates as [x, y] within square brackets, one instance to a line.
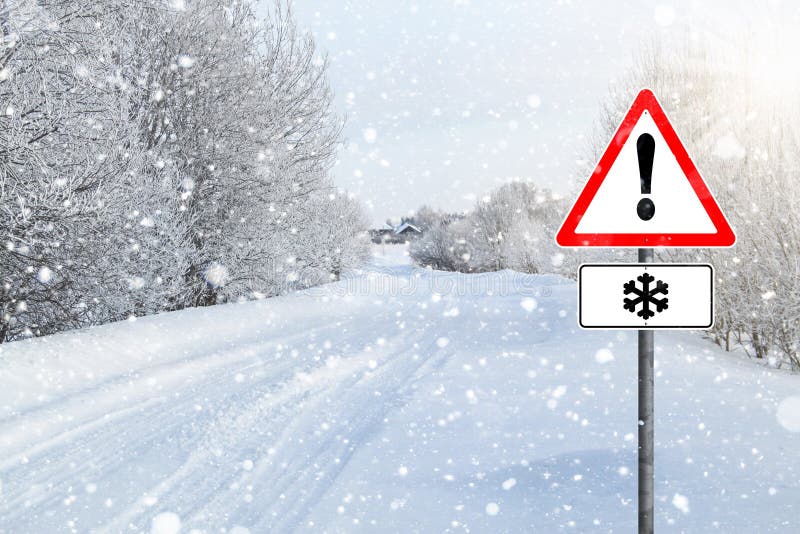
[645, 296]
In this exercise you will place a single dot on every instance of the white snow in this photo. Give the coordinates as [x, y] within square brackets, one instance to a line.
[664, 15]
[788, 414]
[285, 414]
[166, 523]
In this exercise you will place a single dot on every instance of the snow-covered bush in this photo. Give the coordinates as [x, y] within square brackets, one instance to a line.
[445, 245]
[340, 242]
[512, 228]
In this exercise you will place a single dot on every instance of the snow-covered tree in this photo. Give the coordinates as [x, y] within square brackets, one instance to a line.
[156, 155]
[64, 138]
[237, 113]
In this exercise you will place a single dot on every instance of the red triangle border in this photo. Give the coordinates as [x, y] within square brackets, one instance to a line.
[645, 101]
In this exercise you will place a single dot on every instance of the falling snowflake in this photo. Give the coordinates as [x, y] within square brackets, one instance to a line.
[136, 282]
[645, 296]
[509, 483]
[370, 135]
[166, 523]
[604, 356]
[528, 304]
[216, 275]
[44, 275]
[681, 502]
[186, 61]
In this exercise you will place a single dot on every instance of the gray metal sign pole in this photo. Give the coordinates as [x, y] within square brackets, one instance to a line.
[646, 443]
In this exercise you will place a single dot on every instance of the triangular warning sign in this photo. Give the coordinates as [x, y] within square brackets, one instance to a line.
[646, 191]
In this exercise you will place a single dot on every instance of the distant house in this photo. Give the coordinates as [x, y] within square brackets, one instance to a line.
[407, 230]
[401, 233]
[381, 235]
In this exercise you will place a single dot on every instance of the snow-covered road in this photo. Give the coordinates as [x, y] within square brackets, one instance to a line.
[398, 400]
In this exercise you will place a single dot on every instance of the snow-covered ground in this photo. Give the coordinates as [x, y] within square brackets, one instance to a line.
[397, 400]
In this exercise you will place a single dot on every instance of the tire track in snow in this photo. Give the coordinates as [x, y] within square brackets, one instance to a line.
[316, 411]
[98, 446]
[189, 489]
[363, 416]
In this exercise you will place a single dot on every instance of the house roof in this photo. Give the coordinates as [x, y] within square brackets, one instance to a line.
[406, 226]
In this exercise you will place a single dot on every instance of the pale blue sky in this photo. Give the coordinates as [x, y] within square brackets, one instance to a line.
[446, 99]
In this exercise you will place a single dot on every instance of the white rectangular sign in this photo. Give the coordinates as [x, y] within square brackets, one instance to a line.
[646, 296]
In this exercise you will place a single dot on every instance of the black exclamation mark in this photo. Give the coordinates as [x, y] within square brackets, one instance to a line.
[645, 149]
